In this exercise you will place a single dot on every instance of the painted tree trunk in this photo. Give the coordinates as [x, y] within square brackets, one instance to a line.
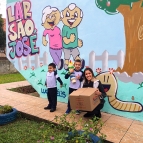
[133, 23]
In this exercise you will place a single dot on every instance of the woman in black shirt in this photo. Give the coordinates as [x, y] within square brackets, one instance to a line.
[92, 82]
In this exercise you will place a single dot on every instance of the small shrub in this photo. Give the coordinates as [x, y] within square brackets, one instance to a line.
[5, 109]
[75, 130]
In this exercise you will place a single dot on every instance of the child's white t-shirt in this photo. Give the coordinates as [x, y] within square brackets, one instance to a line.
[51, 80]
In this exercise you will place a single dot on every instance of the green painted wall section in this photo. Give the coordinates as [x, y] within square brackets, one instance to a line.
[10, 1]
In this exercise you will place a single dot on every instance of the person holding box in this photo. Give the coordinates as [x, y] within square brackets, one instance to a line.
[91, 82]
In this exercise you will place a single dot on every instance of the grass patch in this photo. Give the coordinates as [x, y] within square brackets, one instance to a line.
[25, 131]
[8, 78]
[31, 131]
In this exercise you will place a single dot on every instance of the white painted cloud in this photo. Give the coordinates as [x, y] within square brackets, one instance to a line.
[135, 78]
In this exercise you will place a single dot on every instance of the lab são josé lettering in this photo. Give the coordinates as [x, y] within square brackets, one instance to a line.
[22, 32]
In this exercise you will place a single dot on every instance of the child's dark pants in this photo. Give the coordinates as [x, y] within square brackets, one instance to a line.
[70, 91]
[52, 97]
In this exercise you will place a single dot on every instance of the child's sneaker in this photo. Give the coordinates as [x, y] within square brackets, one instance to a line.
[68, 111]
[77, 112]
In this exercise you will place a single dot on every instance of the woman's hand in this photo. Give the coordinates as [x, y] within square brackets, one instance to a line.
[97, 93]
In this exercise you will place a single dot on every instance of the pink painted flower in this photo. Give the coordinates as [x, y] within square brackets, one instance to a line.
[41, 64]
[111, 70]
[52, 138]
[25, 67]
[32, 68]
[98, 70]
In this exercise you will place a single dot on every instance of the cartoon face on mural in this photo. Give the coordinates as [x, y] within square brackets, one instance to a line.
[71, 18]
[51, 17]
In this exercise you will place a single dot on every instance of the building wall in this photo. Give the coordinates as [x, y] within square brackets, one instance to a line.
[6, 67]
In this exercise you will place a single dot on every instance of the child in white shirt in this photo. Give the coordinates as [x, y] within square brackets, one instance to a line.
[51, 83]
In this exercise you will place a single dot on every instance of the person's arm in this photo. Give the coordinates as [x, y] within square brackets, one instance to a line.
[81, 78]
[46, 81]
[58, 78]
[100, 92]
[101, 89]
[67, 75]
[44, 41]
[60, 81]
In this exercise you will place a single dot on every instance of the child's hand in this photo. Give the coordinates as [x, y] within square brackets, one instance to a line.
[61, 86]
[71, 70]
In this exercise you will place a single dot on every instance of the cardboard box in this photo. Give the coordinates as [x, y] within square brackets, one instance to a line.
[83, 99]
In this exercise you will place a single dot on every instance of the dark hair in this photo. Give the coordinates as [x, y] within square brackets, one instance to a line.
[52, 65]
[79, 61]
[88, 69]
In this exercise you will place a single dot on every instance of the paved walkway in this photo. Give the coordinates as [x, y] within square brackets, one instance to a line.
[117, 129]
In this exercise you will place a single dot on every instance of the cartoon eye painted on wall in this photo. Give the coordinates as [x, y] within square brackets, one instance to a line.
[75, 14]
[67, 14]
[51, 16]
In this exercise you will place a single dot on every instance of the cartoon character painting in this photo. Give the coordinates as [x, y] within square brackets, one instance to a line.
[71, 18]
[50, 19]
[110, 85]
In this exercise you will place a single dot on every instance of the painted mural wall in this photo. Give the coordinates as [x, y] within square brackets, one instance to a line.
[106, 35]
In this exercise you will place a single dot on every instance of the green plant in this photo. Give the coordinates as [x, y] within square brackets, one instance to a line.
[75, 130]
[140, 85]
[32, 74]
[5, 109]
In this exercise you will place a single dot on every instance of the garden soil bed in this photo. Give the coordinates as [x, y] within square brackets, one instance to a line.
[25, 90]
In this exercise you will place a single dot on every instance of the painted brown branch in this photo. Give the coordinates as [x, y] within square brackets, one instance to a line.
[137, 6]
[124, 9]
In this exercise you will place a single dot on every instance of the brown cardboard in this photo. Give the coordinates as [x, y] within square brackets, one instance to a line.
[83, 99]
